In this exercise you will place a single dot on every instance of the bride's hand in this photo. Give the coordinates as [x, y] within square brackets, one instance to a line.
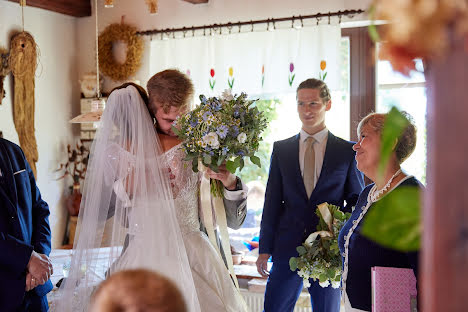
[225, 176]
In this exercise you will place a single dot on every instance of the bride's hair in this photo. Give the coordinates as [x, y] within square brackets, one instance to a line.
[138, 290]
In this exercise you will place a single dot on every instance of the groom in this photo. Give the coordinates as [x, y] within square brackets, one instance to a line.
[170, 93]
[307, 169]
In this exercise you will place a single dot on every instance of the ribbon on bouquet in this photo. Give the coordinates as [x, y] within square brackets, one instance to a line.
[213, 212]
[328, 218]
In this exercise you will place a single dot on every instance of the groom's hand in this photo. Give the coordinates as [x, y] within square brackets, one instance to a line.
[262, 264]
[227, 178]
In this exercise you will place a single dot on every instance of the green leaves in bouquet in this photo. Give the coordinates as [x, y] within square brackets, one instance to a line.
[293, 264]
[395, 220]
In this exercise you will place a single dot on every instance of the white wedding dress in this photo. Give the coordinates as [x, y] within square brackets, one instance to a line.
[215, 289]
[127, 192]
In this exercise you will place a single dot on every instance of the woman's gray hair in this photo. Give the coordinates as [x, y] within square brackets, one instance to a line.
[406, 142]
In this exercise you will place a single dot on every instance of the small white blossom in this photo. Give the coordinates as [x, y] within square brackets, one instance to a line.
[306, 283]
[325, 284]
[212, 140]
[242, 137]
[227, 95]
[336, 284]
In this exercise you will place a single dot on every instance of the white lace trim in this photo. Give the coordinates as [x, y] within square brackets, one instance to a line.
[356, 222]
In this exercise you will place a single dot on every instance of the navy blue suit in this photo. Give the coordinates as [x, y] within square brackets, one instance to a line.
[289, 217]
[24, 227]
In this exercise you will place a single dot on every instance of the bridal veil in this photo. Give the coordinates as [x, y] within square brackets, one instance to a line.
[127, 217]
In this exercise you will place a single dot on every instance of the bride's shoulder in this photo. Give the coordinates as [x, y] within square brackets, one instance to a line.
[168, 142]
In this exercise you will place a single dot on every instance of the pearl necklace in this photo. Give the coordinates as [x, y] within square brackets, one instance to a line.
[374, 194]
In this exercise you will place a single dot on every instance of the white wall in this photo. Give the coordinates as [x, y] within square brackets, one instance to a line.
[177, 13]
[56, 93]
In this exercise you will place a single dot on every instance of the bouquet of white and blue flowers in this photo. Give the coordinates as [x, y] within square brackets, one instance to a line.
[221, 130]
[319, 256]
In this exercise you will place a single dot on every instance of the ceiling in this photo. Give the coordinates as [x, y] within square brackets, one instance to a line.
[76, 8]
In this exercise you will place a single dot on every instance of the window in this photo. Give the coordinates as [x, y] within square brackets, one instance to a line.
[407, 94]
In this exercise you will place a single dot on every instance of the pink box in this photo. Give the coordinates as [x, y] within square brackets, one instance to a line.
[393, 290]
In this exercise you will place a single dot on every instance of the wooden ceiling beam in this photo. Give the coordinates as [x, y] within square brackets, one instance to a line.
[76, 8]
[196, 1]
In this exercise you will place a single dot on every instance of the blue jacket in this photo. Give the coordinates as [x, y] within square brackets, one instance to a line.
[288, 215]
[24, 226]
[363, 254]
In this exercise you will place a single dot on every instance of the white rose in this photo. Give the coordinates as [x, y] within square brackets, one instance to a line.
[325, 284]
[212, 140]
[227, 95]
[242, 137]
[336, 285]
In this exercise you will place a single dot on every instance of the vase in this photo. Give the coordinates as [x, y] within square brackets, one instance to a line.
[74, 200]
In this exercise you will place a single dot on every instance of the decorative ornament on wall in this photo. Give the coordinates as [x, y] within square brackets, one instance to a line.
[323, 73]
[108, 3]
[292, 75]
[212, 79]
[263, 75]
[152, 6]
[231, 78]
[108, 65]
[23, 64]
[4, 70]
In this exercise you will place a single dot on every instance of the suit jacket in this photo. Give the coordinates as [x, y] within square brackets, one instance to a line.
[24, 226]
[288, 214]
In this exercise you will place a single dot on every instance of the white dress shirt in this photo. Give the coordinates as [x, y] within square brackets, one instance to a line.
[320, 145]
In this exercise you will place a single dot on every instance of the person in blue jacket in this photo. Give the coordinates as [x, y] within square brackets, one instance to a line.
[306, 170]
[359, 253]
[25, 244]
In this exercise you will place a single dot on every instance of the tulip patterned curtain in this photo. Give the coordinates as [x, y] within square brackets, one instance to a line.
[259, 63]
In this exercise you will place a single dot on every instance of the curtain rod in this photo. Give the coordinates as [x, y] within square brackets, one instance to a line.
[231, 25]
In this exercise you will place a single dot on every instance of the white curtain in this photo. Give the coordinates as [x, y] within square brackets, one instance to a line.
[255, 62]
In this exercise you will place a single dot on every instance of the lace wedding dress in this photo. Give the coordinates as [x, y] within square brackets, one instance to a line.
[215, 289]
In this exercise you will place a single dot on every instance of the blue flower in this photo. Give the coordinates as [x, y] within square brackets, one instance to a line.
[236, 113]
[222, 131]
[225, 150]
[240, 153]
[203, 99]
[206, 115]
[216, 105]
[235, 131]
[193, 122]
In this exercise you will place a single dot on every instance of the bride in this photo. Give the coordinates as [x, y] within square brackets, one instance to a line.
[150, 215]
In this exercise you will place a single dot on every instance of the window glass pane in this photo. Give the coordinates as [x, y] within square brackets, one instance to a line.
[386, 75]
[413, 101]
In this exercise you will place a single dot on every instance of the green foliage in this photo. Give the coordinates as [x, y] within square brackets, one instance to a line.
[221, 129]
[395, 124]
[321, 259]
[395, 220]
[260, 172]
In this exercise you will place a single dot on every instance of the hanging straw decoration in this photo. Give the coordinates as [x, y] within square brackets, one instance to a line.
[23, 64]
[152, 6]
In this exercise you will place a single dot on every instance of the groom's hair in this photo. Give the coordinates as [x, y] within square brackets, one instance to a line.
[169, 88]
[137, 290]
[318, 84]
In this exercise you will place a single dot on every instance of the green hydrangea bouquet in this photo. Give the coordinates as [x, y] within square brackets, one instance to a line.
[221, 130]
[319, 256]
